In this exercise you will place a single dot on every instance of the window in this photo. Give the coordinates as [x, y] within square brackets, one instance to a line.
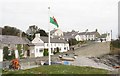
[59, 48]
[36, 50]
[47, 44]
[40, 50]
[64, 48]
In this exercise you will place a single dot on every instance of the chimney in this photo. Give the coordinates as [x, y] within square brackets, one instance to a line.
[37, 35]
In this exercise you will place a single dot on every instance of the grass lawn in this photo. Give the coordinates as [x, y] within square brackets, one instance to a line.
[59, 69]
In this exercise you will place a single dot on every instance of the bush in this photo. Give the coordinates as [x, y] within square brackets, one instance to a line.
[115, 47]
[45, 52]
[5, 52]
[72, 42]
[19, 47]
[57, 51]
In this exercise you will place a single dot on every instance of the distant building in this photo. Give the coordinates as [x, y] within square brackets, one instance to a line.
[119, 19]
[88, 35]
[105, 37]
[81, 36]
[12, 41]
[40, 43]
[56, 33]
[70, 35]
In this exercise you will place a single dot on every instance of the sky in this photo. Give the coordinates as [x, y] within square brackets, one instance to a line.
[76, 15]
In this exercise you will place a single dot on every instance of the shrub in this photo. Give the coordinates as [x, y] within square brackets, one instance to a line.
[45, 52]
[115, 47]
[5, 52]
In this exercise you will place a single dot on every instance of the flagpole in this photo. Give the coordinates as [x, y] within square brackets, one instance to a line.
[49, 45]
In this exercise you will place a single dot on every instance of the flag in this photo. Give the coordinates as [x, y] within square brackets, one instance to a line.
[53, 21]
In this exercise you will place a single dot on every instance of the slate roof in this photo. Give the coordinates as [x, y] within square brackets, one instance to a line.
[52, 40]
[90, 33]
[7, 39]
[69, 35]
[87, 33]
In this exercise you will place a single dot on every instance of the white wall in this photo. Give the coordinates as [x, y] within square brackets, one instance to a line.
[59, 45]
[16, 54]
[37, 51]
[78, 38]
[1, 55]
[58, 33]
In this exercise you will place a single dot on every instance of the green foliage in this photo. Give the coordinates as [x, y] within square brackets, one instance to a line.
[45, 52]
[12, 56]
[115, 43]
[7, 30]
[33, 30]
[5, 52]
[115, 46]
[25, 47]
[57, 51]
[60, 69]
[19, 47]
[72, 42]
[42, 32]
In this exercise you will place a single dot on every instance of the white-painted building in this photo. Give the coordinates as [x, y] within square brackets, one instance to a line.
[87, 36]
[105, 37]
[40, 43]
[56, 33]
[81, 36]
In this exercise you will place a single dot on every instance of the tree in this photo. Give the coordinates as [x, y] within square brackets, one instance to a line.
[6, 53]
[72, 42]
[7, 30]
[42, 32]
[33, 30]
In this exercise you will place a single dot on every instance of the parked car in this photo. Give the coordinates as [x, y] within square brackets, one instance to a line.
[53, 63]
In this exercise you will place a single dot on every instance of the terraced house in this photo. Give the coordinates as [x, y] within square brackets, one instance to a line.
[12, 42]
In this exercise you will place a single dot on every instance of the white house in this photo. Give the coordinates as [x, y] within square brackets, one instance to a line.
[56, 33]
[87, 36]
[37, 48]
[40, 43]
[105, 37]
[81, 36]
